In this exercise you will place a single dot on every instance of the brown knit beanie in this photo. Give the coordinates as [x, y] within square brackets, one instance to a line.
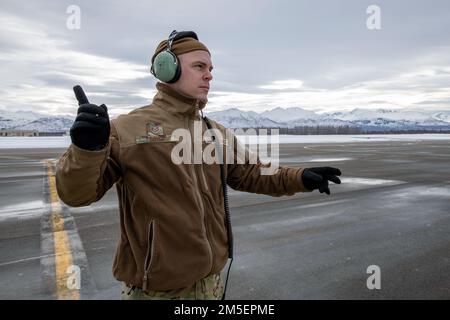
[181, 46]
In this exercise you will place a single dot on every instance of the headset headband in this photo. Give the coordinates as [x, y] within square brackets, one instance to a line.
[175, 35]
[172, 36]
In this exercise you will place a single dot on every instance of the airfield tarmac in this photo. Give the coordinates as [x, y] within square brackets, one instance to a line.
[392, 210]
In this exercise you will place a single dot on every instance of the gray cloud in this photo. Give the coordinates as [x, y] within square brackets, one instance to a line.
[323, 44]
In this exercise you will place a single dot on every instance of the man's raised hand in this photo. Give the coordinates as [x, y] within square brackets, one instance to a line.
[91, 128]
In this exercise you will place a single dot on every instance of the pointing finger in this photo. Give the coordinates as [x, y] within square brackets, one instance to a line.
[80, 95]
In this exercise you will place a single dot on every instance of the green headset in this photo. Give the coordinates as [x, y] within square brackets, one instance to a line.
[166, 66]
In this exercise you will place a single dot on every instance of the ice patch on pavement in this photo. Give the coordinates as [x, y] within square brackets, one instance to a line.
[421, 192]
[23, 210]
[94, 208]
[329, 159]
[288, 223]
[16, 174]
[369, 181]
[308, 159]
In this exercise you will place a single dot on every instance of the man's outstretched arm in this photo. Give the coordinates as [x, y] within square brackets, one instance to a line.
[284, 181]
[89, 167]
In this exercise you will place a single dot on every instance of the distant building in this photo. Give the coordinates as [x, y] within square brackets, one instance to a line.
[55, 133]
[18, 133]
[30, 133]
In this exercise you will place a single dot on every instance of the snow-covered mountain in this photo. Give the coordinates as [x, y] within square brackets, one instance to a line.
[27, 120]
[235, 118]
[395, 115]
[49, 124]
[289, 114]
[275, 118]
[394, 119]
[443, 116]
[365, 119]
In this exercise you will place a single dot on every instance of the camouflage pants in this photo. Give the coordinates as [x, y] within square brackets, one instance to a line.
[209, 288]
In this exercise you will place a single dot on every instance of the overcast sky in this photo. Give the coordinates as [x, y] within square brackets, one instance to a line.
[318, 55]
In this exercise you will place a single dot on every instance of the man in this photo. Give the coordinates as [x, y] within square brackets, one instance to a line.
[174, 241]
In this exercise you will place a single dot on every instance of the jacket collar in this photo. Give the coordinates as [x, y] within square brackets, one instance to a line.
[175, 102]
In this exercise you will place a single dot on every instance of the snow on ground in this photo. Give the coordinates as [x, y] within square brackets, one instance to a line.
[34, 142]
[64, 141]
[283, 139]
[24, 210]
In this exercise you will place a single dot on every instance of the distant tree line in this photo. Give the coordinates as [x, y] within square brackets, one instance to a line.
[412, 131]
[313, 130]
[309, 130]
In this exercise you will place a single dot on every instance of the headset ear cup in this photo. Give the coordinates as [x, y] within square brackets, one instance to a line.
[177, 72]
[165, 66]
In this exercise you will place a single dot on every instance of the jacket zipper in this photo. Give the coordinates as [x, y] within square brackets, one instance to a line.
[200, 196]
[150, 253]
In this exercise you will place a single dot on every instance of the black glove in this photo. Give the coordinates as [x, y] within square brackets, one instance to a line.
[90, 131]
[317, 178]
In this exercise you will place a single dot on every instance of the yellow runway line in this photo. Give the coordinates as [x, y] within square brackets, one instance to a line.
[63, 254]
